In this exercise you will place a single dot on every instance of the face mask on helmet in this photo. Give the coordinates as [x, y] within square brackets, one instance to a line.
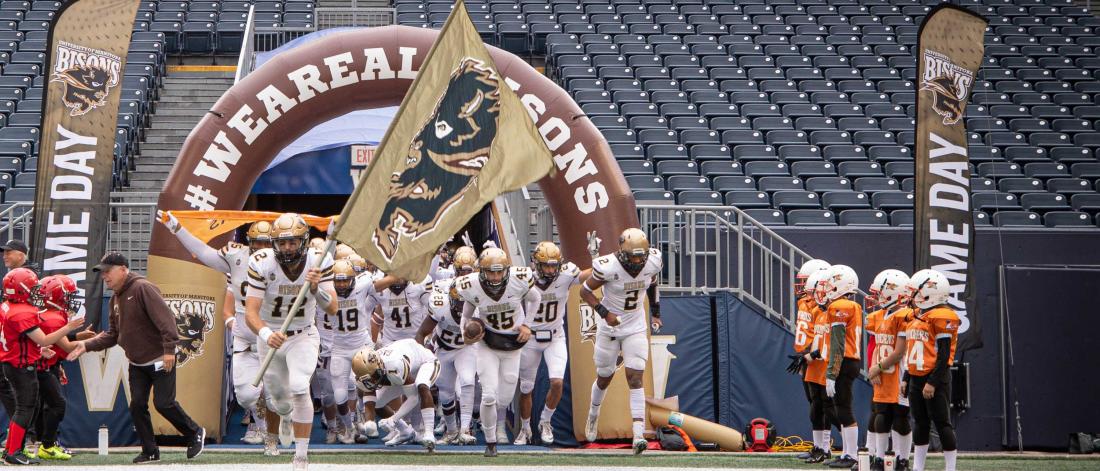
[634, 260]
[493, 281]
[343, 285]
[397, 288]
[290, 250]
[549, 271]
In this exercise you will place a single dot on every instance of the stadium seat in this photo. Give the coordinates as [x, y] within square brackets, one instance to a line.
[1067, 219]
[1016, 218]
[811, 217]
[863, 217]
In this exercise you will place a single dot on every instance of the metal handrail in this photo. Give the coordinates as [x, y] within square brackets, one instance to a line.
[246, 60]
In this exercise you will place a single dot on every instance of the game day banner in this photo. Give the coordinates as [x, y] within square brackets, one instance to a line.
[88, 41]
[950, 51]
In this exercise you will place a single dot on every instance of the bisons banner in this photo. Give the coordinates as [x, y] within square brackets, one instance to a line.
[949, 53]
[88, 41]
[362, 69]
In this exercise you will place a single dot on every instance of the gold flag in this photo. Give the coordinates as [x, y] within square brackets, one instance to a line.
[460, 138]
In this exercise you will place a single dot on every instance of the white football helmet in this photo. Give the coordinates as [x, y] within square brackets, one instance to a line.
[804, 273]
[929, 288]
[839, 281]
[815, 285]
[888, 290]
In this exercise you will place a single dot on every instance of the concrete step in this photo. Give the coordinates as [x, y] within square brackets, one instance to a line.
[167, 125]
[146, 184]
[177, 140]
[157, 153]
[151, 168]
[166, 112]
[181, 104]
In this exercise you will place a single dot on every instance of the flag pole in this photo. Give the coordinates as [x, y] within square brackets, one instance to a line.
[336, 226]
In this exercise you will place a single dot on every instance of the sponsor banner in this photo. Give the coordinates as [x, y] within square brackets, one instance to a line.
[950, 51]
[451, 149]
[615, 419]
[88, 41]
[195, 294]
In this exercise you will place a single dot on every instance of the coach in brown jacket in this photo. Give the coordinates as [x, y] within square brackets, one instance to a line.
[143, 325]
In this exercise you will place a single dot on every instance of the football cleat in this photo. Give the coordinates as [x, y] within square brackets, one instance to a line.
[465, 438]
[428, 442]
[449, 438]
[300, 463]
[844, 462]
[817, 455]
[546, 432]
[53, 453]
[346, 436]
[271, 446]
[330, 436]
[401, 438]
[370, 429]
[522, 437]
[490, 450]
[590, 427]
[639, 445]
[253, 437]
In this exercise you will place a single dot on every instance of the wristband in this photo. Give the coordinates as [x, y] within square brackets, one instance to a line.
[602, 311]
[322, 296]
[265, 333]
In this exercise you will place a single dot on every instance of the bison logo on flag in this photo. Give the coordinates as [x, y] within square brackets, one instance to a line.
[949, 85]
[444, 159]
[88, 75]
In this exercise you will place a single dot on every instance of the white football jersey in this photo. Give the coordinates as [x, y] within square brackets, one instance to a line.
[403, 358]
[267, 279]
[401, 313]
[236, 256]
[439, 272]
[448, 321]
[504, 315]
[351, 323]
[624, 294]
[555, 299]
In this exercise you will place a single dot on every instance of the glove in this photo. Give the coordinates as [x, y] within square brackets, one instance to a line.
[816, 354]
[830, 387]
[797, 362]
[169, 221]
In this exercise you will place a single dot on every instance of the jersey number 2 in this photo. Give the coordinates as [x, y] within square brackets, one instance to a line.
[631, 302]
[277, 310]
[548, 312]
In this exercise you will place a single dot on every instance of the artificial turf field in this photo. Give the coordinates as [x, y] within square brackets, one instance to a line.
[560, 460]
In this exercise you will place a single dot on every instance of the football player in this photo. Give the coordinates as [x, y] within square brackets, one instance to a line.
[628, 278]
[845, 339]
[442, 267]
[233, 261]
[275, 277]
[350, 333]
[402, 311]
[500, 298]
[803, 336]
[320, 385]
[889, 406]
[403, 368]
[457, 360]
[553, 278]
[931, 337]
[822, 412]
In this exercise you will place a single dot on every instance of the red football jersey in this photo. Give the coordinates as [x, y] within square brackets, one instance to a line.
[52, 321]
[15, 347]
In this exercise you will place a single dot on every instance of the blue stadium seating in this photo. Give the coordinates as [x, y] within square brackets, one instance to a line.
[776, 96]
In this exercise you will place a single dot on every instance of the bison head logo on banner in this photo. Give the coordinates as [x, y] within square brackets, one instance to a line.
[194, 319]
[443, 160]
[949, 85]
[88, 75]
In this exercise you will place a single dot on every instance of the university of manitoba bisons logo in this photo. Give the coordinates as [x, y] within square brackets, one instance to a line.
[88, 74]
[194, 319]
[445, 157]
[949, 85]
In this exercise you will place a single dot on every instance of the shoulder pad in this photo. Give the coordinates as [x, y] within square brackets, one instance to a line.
[571, 269]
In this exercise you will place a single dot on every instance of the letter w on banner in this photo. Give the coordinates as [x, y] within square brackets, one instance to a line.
[950, 51]
[460, 138]
[88, 43]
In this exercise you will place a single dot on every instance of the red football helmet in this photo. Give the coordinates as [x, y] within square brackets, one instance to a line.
[19, 285]
[58, 292]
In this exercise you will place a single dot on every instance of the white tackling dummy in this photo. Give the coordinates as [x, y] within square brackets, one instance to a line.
[458, 361]
[271, 294]
[548, 341]
[624, 292]
[500, 297]
[408, 370]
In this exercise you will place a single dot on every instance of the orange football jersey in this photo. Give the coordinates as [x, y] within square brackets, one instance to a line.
[886, 328]
[815, 369]
[848, 313]
[921, 335]
[804, 324]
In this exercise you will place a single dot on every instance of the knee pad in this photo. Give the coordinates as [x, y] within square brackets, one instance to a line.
[526, 386]
[281, 408]
[247, 396]
[605, 371]
[302, 409]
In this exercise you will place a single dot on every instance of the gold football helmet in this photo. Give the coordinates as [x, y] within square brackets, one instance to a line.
[465, 260]
[547, 258]
[360, 264]
[344, 251]
[343, 277]
[367, 366]
[259, 236]
[317, 243]
[493, 266]
[633, 249]
[291, 235]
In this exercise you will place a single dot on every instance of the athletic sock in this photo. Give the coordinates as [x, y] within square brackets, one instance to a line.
[949, 458]
[345, 419]
[819, 441]
[638, 427]
[850, 436]
[883, 444]
[301, 447]
[871, 444]
[903, 444]
[427, 416]
[919, 456]
[827, 440]
[597, 396]
[15, 437]
[547, 414]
